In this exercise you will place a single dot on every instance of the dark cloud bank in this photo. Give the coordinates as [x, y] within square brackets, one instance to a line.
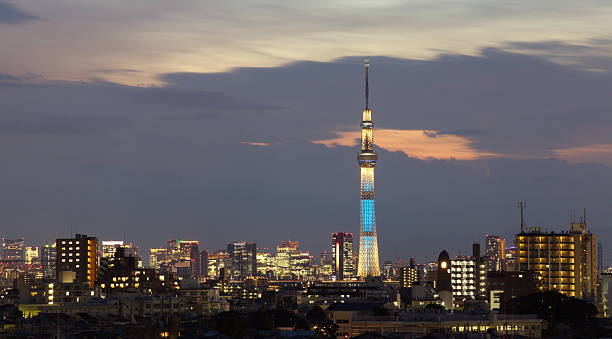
[156, 163]
[9, 14]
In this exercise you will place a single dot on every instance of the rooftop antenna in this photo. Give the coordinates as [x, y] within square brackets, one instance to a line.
[584, 216]
[366, 64]
[521, 206]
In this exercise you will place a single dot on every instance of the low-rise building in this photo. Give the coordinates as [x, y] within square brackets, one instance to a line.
[355, 319]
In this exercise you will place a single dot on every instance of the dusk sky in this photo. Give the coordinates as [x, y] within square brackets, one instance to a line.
[237, 120]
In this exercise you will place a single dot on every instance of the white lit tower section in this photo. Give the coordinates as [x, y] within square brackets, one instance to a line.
[368, 241]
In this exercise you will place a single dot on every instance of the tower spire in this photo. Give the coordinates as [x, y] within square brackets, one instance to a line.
[366, 64]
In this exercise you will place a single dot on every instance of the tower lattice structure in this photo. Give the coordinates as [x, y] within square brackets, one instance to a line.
[368, 240]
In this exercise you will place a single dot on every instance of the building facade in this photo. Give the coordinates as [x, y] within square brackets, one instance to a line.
[243, 257]
[13, 253]
[180, 257]
[77, 259]
[342, 255]
[565, 262]
[495, 247]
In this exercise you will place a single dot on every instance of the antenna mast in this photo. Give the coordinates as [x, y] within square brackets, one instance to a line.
[366, 64]
[521, 206]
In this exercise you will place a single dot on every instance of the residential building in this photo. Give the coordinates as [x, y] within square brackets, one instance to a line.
[565, 262]
[77, 259]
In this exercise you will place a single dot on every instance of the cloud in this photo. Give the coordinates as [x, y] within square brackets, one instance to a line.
[205, 36]
[591, 54]
[420, 144]
[503, 103]
[254, 143]
[229, 155]
[601, 153]
[116, 70]
[60, 125]
[194, 98]
[10, 14]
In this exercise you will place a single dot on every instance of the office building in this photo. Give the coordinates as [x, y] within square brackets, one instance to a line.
[204, 264]
[511, 258]
[266, 264]
[13, 253]
[77, 259]
[179, 257]
[494, 252]
[243, 257]
[109, 247]
[48, 259]
[565, 262]
[218, 263]
[32, 255]
[342, 255]
[291, 263]
[369, 265]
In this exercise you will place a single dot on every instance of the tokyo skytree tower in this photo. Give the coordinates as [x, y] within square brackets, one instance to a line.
[368, 240]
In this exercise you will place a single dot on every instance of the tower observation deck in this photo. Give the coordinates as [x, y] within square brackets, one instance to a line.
[368, 240]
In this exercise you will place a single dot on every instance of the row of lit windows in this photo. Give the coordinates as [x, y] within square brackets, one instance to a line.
[70, 254]
[76, 242]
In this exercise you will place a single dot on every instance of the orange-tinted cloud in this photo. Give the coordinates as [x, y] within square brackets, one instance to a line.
[253, 143]
[422, 144]
[600, 153]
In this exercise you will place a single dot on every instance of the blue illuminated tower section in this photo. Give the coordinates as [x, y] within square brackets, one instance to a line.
[368, 240]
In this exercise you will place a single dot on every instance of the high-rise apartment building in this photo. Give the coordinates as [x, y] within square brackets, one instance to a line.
[408, 276]
[369, 265]
[243, 259]
[342, 256]
[566, 262]
[468, 277]
[77, 259]
[494, 252]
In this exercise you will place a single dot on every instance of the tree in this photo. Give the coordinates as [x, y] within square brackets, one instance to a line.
[564, 314]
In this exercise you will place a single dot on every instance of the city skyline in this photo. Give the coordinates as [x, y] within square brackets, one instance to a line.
[197, 169]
